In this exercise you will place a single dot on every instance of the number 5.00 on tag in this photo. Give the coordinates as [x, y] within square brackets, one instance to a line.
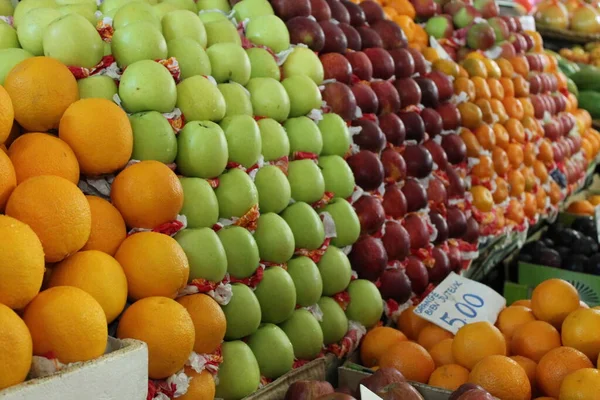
[459, 301]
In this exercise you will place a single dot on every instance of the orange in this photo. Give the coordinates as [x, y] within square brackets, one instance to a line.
[170, 343]
[99, 275]
[546, 154]
[555, 193]
[530, 205]
[202, 385]
[581, 207]
[501, 162]
[502, 136]
[35, 154]
[528, 109]
[572, 103]
[100, 135]
[475, 67]
[583, 384]
[465, 85]
[430, 54]
[449, 377]
[515, 155]
[515, 130]
[534, 339]
[470, 140]
[529, 176]
[493, 69]
[155, 265]
[528, 154]
[405, 22]
[475, 341]
[482, 90]
[556, 365]
[7, 115]
[485, 137]
[21, 263]
[502, 377]
[147, 194]
[506, 68]
[521, 86]
[533, 125]
[553, 299]
[209, 321]
[56, 210]
[541, 199]
[581, 330]
[594, 200]
[67, 322]
[442, 353]
[513, 317]
[8, 179]
[515, 211]
[448, 67]
[420, 36]
[411, 359]
[391, 13]
[501, 192]
[482, 198]
[15, 348]
[520, 65]
[499, 110]
[470, 114]
[486, 110]
[376, 342]
[410, 323]
[509, 87]
[484, 169]
[529, 366]
[587, 149]
[108, 227]
[432, 335]
[41, 89]
[524, 303]
[516, 181]
[496, 88]
[403, 7]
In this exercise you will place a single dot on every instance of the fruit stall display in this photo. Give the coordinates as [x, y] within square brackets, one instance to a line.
[247, 187]
[570, 19]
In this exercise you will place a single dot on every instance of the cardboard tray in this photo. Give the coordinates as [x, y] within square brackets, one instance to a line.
[350, 374]
[120, 374]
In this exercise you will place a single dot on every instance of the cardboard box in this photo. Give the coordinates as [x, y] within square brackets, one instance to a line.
[121, 374]
[350, 374]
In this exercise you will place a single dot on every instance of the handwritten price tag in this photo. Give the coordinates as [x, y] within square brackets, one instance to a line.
[459, 301]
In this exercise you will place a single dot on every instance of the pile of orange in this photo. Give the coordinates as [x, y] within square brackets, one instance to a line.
[547, 346]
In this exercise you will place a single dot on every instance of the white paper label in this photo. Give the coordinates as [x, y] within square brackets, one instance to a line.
[459, 301]
[366, 394]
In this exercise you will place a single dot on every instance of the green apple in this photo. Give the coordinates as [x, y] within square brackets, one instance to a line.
[334, 323]
[24, 6]
[136, 12]
[275, 142]
[229, 62]
[236, 193]
[335, 270]
[162, 9]
[303, 93]
[347, 225]
[138, 41]
[183, 23]
[222, 5]
[241, 250]
[204, 252]
[112, 5]
[87, 11]
[263, 64]
[187, 5]
[336, 137]
[274, 190]
[366, 304]
[270, 31]
[304, 135]
[202, 150]
[200, 100]
[153, 137]
[252, 8]
[242, 312]
[8, 36]
[239, 374]
[237, 99]
[338, 176]
[9, 58]
[243, 139]
[107, 49]
[147, 86]
[307, 280]
[31, 30]
[191, 57]
[306, 181]
[74, 41]
[304, 61]
[97, 87]
[6, 8]
[305, 333]
[306, 225]
[273, 351]
[269, 98]
[207, 16]
[61, 3]
[200, 205]
[276, 295]
[222, 32]
[274, 238]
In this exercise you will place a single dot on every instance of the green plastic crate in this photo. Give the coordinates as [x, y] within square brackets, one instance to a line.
[516, 291]
[531, 275]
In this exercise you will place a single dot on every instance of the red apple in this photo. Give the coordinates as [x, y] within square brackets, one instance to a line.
[394, 284]
[415, 128]
[417, 273]
[455, 258]
[393, 165]
[441, 266]
[352, 36]
[443, 83]
[417, 230]
[399, 391]
[361, 65]
[383, 63]
[405, 65]
[437, 153]
[341, 100]
[420, 62]
[382, 378]
[457, 223]
[433, 122]
[450, 116]
[367, 169]
[436, 193]
[357, 15]
[429, 92]
[394, 202]
[393, 128]
[288, 9]
[305, 30]
[456, 185]
[368, 257]
[373, 11]
[370, 137]
[391, 34]
[472, 233]
[365, 97]
[440, 225]
[396, 241]
[419, 162]
[409, 91]
[369, 37]
[308, 390]
[337, 67]
[370, 214]
[389, 99]
[335, 40]
[455, 148]
[425, 8]
[320, 10]
[415, 195]
[338, 11]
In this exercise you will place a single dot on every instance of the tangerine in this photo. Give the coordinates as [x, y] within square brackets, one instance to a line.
[475, 341]
[554, 367]
[442, 353]
[376, 342]
[534, 339]
[554, 299]
[411, 359]
[513, 317]
[501, 377]
[449, 377]
[581, 331]
[15, 348]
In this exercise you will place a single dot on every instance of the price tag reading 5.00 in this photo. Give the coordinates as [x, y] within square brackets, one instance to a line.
[459, 301]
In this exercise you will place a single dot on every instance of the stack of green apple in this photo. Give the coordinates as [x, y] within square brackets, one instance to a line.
[243, 121]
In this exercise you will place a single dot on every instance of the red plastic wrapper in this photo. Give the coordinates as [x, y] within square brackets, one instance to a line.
[343, 299]
[327, 197]
[299, 363]
[305, 155]
[316, 254]
[349, 342]
[105, 29]
[251, 281]
[392, 309]
[176, 120]
[247, 220]
[172, 65]
[281, 163]
[219, 291]
[209, 362]
[213, 182]
[106, 66]
[169, 228]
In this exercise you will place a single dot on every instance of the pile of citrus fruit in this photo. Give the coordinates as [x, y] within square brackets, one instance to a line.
[547, 346]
